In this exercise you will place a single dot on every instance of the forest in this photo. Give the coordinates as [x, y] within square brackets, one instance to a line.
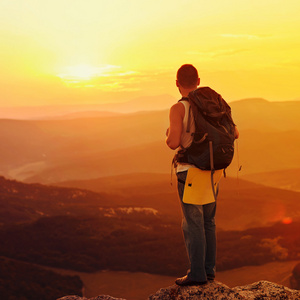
[138, 243]
[21, 281]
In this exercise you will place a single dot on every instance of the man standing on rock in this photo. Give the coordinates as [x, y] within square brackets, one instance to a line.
[198, 220]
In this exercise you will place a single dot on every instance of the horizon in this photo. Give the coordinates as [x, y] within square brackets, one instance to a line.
[109, 109]
[75, 53]
[93, 104]
[132, 106]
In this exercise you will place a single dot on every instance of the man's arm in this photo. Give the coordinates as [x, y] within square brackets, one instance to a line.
[174, 131]
[236, 133]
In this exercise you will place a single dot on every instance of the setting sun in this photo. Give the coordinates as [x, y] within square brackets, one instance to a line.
[80, 72]
[103, 77]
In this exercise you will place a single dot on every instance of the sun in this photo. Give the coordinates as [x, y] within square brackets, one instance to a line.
[105, 77]
[81, 72]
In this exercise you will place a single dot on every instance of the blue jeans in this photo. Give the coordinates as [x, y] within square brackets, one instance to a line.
[199, 232]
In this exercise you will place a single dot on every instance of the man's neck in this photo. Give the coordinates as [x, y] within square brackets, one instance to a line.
[185, 91]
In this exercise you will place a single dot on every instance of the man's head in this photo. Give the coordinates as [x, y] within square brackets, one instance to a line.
[187, 77]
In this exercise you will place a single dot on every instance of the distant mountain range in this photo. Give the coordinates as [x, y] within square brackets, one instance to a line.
[284, 179]
[91, 145]
[266, 116]
[152, 103]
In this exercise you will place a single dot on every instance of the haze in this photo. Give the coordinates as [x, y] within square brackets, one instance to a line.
[79, 52]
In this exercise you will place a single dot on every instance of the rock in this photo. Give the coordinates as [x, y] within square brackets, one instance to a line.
[102, 297]
[215, 290]
[267, 290]
[212, 290]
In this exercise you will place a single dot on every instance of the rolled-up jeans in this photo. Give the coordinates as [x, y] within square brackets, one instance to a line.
[199, 231]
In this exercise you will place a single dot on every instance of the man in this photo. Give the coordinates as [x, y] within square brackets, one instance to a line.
[198, 224]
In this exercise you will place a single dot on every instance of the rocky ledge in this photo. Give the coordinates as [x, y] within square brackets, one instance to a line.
[215, 290]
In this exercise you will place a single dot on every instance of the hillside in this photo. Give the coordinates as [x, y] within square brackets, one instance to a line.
[82, 230]
[159, 102]
[266, 116]
[51, 151]
[19, 280]
[284, 179]
[23, 203]
[241, 204]
[138, 242]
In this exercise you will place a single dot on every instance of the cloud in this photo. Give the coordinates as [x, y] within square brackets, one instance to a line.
[243, 36]
[216, 53]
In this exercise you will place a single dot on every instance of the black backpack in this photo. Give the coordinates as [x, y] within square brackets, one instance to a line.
[212, 147]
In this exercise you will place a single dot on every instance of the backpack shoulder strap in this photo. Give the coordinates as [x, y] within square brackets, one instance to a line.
[188, 128]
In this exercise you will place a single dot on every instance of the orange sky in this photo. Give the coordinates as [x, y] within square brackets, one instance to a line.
[95, 51]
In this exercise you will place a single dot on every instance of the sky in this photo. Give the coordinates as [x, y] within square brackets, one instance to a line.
[95, 51]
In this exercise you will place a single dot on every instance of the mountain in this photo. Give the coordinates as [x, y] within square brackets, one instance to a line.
[284, 179]
[20, 280]
[260, 151]
[160, 102]
[28, 147]
[49, 151]
[266, 116]
[146, 103]
[23, 203]
[83, 158]
[241, 204]
[85, 115]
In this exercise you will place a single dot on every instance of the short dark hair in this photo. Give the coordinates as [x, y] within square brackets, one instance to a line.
[187, 76]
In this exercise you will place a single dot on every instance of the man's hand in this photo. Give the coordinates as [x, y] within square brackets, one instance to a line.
[236, 133]
[174, 131]
[167, 132]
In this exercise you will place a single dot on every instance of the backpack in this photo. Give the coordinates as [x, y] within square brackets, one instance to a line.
[212, 147]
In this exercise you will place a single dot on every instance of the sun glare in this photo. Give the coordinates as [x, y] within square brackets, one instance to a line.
[80, 72]
[104, 77]
[83, 75]
[87, 72]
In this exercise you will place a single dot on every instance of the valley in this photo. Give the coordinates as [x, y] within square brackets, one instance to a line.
[88, 193]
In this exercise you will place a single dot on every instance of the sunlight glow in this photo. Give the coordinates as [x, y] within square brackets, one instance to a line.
[104, 77]
[86, 72]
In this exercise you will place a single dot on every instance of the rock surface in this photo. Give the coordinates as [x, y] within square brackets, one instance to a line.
[260, 290]
[101, 297]
[217, 290]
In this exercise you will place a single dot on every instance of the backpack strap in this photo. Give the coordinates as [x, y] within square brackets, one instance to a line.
[184, 99]
[211, 154]
[188, 128]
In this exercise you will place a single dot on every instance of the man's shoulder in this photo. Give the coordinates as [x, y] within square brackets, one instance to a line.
[177, 108]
